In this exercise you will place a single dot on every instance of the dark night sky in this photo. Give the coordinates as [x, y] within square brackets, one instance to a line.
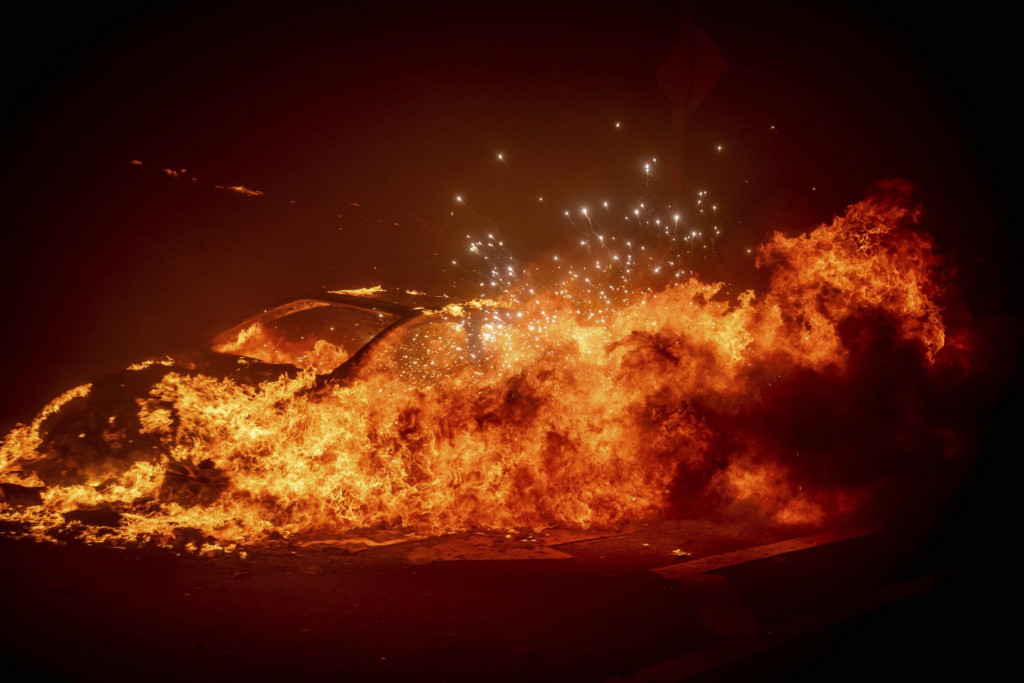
[398, 107]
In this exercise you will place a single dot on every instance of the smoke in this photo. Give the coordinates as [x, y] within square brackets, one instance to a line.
[600, 393]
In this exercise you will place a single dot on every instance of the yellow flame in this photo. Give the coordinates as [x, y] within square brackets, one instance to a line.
[544, 406]
[361, 291]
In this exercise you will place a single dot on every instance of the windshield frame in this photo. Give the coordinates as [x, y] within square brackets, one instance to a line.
[403, 315]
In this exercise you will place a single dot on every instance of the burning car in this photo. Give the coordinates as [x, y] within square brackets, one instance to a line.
[602, 397]
[334, 335]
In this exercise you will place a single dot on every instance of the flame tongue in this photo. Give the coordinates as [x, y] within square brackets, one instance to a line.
[559, 408]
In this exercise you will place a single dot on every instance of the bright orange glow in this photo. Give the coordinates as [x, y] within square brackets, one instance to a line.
[255, 341]
[360, 291]
[578, 404]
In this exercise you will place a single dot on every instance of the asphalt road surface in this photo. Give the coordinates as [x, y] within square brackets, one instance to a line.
[592, 611]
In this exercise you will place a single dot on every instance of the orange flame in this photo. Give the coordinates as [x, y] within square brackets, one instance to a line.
[540, 409]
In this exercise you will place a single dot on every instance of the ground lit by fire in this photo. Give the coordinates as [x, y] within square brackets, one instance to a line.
[586, 398]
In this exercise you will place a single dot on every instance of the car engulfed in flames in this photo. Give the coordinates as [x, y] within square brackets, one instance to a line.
[587, 402]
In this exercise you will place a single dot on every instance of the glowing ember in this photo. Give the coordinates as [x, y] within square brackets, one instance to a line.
[240, 189]
[583, 402]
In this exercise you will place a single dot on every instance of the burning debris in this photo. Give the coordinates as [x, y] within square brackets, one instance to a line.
[581, 405]
[240, 189]
[184, 173]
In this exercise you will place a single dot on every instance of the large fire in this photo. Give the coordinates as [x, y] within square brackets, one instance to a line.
[584, 403]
